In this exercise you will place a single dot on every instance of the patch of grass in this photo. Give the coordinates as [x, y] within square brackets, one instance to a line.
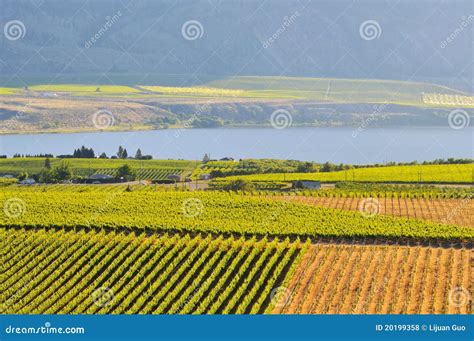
[77, 88]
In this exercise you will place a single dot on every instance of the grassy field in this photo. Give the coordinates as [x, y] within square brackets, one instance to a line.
[35, 165]
[454, 173]
[337, 90]
[264, 87]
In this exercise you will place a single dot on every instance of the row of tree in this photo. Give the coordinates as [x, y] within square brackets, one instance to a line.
[63, 172]
[88, 153]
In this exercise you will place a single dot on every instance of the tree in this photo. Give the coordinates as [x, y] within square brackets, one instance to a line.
[120, 152]
[306, 167]
[206, 158]
[23, 176]
[239, 185]
[138, 154]
[103, 156]
[62, 171]
[125, 154]
[126, 173]
[47, 163]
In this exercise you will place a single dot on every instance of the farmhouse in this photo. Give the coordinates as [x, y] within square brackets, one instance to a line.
[308, 184]
[175, 177]
[205, 177]
[27, 182]
[99, 178]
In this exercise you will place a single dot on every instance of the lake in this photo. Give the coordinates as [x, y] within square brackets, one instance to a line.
[337, 145]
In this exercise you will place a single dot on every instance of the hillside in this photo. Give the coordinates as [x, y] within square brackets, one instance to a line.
[144, 43]
[240, 101]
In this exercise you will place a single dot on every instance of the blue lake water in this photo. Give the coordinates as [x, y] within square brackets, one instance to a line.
[336, 145]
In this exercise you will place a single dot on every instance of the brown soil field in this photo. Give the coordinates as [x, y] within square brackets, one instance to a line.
[380, 279]
[447, 211]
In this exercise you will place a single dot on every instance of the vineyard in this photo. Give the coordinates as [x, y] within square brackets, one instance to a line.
[454, 173]
[59, 272]
[380, 279]
[448, 99]
[144, 174]
[152, 249]
[212, 212]
[452, 211]
[86, 167]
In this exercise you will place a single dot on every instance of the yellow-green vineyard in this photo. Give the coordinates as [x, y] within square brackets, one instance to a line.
[59, 272]
[89, 249]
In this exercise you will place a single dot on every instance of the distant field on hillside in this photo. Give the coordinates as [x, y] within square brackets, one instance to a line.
[454, 173]
[256, 87]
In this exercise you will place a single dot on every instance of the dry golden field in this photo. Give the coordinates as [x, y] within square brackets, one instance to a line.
[380, 279]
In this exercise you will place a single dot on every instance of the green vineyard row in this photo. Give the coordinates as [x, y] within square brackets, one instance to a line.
[213, 212]
[454, 173]
[59, 272]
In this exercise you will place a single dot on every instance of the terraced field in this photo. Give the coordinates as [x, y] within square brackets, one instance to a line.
[451, 211]
[380, 279]
[59, 272]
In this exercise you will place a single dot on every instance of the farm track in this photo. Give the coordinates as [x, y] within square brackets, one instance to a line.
[356, 279]
[447, 211]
